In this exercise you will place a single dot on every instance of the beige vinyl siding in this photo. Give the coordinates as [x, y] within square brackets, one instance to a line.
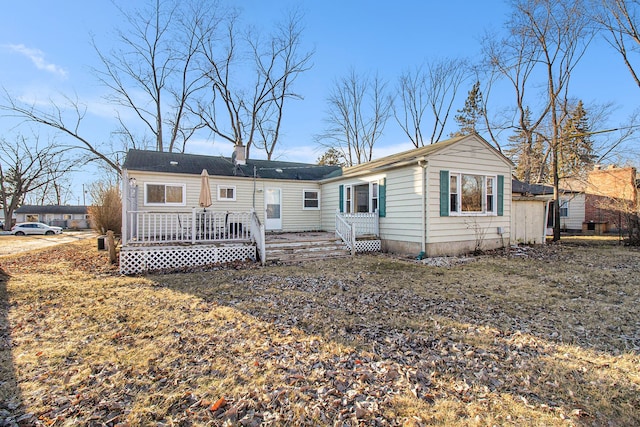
[330, 202]
[468, 156]
[294, 217]
[403, 212]
[576, 212]
[403, 221]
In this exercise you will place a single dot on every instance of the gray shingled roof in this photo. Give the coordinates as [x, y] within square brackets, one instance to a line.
[51, 209]
[535, 189]
[154, 161]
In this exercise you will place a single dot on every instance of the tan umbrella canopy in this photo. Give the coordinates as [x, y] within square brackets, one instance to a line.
[205, 190]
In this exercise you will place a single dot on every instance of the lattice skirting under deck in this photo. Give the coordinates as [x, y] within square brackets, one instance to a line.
[136, 260]
[368, 246]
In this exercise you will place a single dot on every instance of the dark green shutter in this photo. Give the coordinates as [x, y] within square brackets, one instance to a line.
[444, 193]
[500, 195]
[382, 198]
[341, 190]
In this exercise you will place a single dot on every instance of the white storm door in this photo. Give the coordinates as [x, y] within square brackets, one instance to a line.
[273, 209]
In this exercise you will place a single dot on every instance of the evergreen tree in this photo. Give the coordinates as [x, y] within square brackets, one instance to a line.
[576, 156]
[331, 157]
[470, 115]
[529, 153]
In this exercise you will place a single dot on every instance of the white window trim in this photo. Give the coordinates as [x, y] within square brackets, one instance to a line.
[484, 211]
[226, 199]
[348, 198]
[349, 204]
[564, 204]
[166, 184]
[304, 192]
[374, 195]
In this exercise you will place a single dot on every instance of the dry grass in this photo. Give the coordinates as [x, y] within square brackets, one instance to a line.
[539, 337]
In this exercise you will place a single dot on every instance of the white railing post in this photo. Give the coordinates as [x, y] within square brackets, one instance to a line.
[193, 225]
[353, 240]
[263, 249]
[258, 236]
[376, 223]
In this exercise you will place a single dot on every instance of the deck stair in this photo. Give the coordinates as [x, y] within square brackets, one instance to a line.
[305, 248]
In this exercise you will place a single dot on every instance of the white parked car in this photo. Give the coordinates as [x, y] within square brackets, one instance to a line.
[24, 228]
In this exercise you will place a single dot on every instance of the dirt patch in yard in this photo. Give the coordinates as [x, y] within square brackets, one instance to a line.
[527, 336]
[10, 245]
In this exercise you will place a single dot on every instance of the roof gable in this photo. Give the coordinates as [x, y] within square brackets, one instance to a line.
[193, 164]
[416, 154]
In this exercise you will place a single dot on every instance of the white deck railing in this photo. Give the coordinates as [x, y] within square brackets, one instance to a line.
[145, 227]
[365, 223]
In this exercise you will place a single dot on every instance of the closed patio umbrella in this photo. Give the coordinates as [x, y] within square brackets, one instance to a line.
[205, 190]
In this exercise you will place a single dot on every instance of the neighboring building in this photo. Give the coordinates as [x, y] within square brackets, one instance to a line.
[447, 198]
[610, 195]
[571, 203]
[73, 217]
[572, 206]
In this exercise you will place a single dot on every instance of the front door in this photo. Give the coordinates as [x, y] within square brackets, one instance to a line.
[273, 209]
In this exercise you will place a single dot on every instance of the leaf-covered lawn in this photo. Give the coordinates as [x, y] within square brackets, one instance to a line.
[545, 336]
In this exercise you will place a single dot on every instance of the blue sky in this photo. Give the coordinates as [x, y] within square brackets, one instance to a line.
[45, 50]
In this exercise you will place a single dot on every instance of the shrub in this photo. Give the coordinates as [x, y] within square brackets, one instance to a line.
[106, 212]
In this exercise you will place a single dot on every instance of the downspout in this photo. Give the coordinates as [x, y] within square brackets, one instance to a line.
[423, 241]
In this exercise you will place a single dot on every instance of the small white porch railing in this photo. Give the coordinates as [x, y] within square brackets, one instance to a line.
[258, 237]
[145, 227]
[347, 232]
[365, 223]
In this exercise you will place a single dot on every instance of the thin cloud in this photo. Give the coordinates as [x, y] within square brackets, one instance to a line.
[37, 57]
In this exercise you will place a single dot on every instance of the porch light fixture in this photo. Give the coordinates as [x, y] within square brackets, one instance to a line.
[133, 182]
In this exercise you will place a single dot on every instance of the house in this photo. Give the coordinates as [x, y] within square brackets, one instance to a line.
[74, 217]
[442, 199]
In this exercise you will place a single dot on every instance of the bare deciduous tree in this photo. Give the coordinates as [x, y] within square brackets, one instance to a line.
[619, 20]
[412, 91]
[26, 165]
[432, 89]
[514, 58]
[57, 117]
[359, 107]
[168, 54]
[554, 36]
[154, 73]
[444, 80]
[245, 104]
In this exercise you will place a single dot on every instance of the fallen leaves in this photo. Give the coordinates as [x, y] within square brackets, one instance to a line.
[218, 404]
[367, 341]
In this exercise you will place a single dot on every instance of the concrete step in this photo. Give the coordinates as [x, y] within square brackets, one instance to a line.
[294, 251]
[302, 243]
